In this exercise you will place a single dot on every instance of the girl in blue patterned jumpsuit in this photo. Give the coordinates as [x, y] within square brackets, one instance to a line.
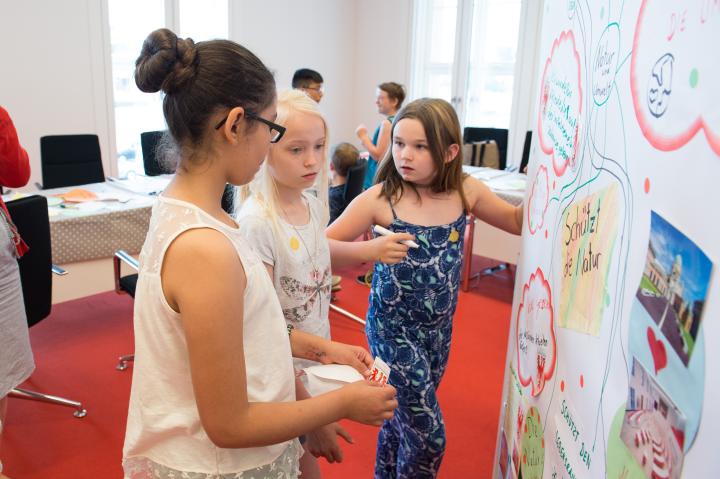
[421, 191]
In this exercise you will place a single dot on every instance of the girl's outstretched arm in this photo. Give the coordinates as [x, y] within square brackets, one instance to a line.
[490, 208]
[203, 279]
[358, 217]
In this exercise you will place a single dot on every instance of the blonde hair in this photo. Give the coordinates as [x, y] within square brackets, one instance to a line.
[262, 188]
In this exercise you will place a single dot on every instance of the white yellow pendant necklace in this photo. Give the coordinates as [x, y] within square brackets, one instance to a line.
[295, 241]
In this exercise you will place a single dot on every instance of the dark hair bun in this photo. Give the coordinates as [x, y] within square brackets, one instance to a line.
[166, 62]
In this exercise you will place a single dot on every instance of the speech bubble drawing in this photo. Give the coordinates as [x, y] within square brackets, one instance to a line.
[605, 63]
[538, 200]
[673, 82]
[561, 103]
[535, 341]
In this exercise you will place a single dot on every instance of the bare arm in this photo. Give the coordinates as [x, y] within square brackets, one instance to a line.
[490, 208]
[315, 348]
[357, 218]
[204, 280]
[378, 150]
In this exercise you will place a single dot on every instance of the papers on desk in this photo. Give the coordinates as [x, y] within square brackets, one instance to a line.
[141, 184]
[87, 200]
[77, 195]
[509, 182]
[483, 173]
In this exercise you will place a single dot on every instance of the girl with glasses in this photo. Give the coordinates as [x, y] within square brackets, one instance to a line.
[213, 391]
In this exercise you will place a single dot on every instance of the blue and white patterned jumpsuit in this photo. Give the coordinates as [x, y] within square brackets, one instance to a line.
[409, 325]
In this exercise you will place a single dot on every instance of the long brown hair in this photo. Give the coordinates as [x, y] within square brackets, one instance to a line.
[442, 129]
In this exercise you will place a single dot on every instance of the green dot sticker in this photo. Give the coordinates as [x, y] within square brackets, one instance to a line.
[532, 459]
[694, 77]
[619, 462]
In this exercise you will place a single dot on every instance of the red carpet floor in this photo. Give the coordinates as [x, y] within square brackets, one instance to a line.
[77, 346]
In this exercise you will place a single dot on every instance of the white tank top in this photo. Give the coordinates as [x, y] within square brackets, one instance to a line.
[163, 422]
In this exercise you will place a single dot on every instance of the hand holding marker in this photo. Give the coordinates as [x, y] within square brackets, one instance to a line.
[386, 232]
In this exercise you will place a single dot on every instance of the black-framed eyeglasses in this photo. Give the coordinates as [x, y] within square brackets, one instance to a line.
[276, 131]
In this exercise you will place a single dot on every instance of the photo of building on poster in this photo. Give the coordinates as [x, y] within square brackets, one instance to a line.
[653, 428]
[674, 285]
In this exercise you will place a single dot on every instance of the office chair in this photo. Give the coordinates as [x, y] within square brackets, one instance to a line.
[354, 181]
[526, 151]
[149, 142]
[228, 200]
[473, 134]
[353, 187]
[70, 160]
[125, 285]
[30, 215]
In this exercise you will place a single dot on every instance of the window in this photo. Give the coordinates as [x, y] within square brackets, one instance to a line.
[130, 23]
[135, 111]
[435, 47]
[489, 95]
[465, 53]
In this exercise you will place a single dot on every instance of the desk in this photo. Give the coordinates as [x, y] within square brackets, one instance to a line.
[96, 229]
[485, 240]
[85, 236]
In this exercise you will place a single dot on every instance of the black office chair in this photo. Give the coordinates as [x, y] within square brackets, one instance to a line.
[353, 187]
[526, 151]
[30, 215]
[473, 134]
[228, 200]
[125, 285]
[354, 181]
[149, 142]
[70, 160]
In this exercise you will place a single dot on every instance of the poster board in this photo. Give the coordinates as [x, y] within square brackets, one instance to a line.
[613, 364]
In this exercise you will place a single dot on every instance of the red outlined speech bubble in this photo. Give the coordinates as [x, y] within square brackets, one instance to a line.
[535, 341]
[674, 74]
[561, 103]
[538, 200]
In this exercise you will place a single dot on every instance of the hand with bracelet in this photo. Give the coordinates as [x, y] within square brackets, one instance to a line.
[308, 346]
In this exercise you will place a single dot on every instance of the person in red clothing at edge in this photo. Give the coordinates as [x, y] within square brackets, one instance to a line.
[16, 359]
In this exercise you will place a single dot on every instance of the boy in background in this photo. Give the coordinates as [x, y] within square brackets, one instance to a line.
[309, 81]
[343, 157]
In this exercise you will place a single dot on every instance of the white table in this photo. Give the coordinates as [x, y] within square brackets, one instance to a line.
[485, 240]
[85, 235]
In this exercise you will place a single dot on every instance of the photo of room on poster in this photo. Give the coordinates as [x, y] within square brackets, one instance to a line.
[674, 285]
[653, 428]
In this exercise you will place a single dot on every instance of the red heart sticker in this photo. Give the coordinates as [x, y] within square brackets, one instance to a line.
[657, 348]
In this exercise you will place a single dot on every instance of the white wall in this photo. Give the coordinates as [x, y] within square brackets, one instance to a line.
[383, 42]
[354, 45]
[52, 76]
